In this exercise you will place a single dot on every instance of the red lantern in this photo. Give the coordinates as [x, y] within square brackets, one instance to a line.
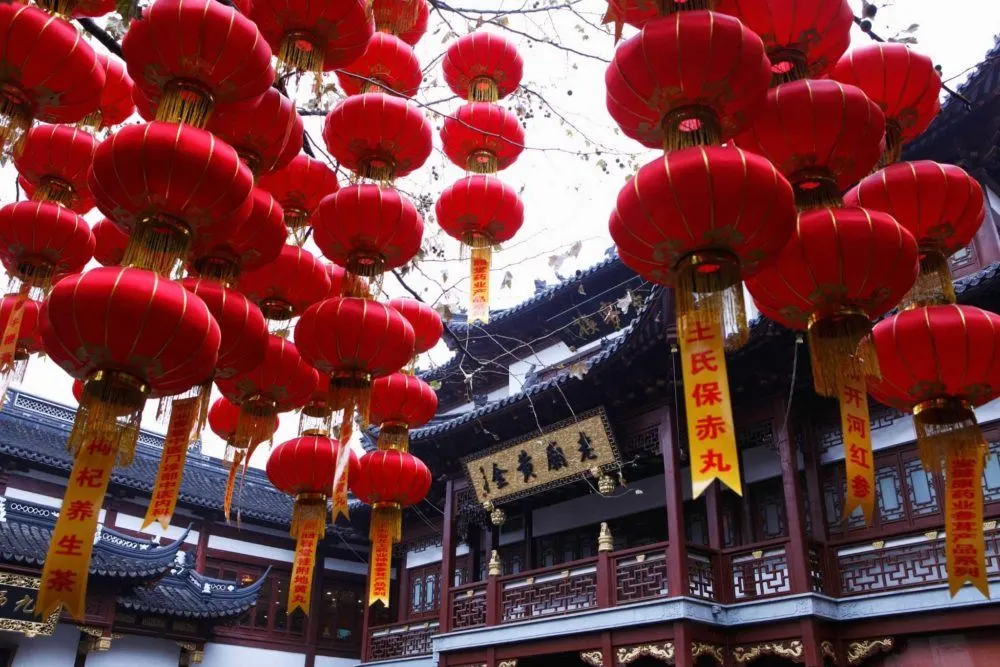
[388, 65]
[116, 97]
[482, 138]
[192, 54]
[702, 219]
[842, 268]
[257, 243]
[426, 323]
[368, 229]
[482, 67]
[822, 135]
[41, 241]
[287, 286]
[803, 40]
[315, 36]
[267, 134]
[77, 390]
[109, 243]
[902, 82]
[299, 187]
[61, 87]
[378, 136]
[410, 35]
[55, 160]
[941, 205]
[78, 8]
[241, 324]
[676, 101]
[223, 419]
[400, 402]
[164, 183]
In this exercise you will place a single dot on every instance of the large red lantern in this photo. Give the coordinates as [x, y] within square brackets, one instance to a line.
[482, 138]
[55, 160]
[164, 184]
[299, 187]
[315, 36]
[388, 481]
[410, 35]
[674, 100]
[368, 229]
[116, 96]
[400, 402]
[802, 39]
[241, 324]
[400, 16]
[426, 323]
[189, 55]
[702, 219]
[61, 87]
[267, 134]
[482, 67]
[305, 468]
[842, 268]
[903, 83]
[388, 65]
[822, 135]
[109, 243]
[378, 136]
[287, 286]
[41, 241]
[941, 205]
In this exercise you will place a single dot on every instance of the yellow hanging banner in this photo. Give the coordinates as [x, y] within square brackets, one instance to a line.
[8, 343]
[67, 563]
[300, 589]
[711, 432]
[859, 459]
[965, 550]
[340, 482]
[380, 560]
[183, 417]
[479, 291]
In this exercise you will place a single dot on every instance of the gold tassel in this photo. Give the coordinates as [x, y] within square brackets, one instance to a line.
[316, 419]
[893, 144]
[309, 508]
[816, 189]
[934, 284]
[184, 102]
[61, 8]
[668, 7]
[389, 515]
[382, 172]
[787, 65]
[946, 425]
[841, 344]
[158, 243]
[691, 126]
[234, 466]
[110, 412]
[299, 51]
[224, 270]
[251, 160]
[15, 118]
[351, 392]
[297, 223]
[255, 423]
[365, 264]
[279, 314]
[394, 436]
[396, 16]
[92, 121]
[37, 275]
[709, 283]
[480, 261]
[54, 190]
[482, 162]
[484, 89]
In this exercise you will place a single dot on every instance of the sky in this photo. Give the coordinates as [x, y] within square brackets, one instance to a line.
[575, 161]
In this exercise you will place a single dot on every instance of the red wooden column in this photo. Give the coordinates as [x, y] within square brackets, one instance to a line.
[812, 652]
[713, 508]
[201, 552]
[403, 588]
[682, 645]
[447, 556]
[315, 605]
[797, 551]
[677, 579]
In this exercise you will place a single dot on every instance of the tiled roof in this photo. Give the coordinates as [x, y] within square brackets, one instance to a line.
[26, 529]
[185, 593]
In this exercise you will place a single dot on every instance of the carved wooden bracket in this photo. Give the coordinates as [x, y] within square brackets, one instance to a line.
[508, 663]
[791, 649]
[859, 651]
[97, 639]
[593, 658]
[663, 652]
[826, 648]
[714, 651]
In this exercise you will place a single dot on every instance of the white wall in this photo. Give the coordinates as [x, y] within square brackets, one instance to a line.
[129, 522]
[225, 655]
[249, 548]
[59, 650]
[327, 661]
[132, 650]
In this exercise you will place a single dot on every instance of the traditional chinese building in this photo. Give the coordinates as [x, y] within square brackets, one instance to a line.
[561, 527]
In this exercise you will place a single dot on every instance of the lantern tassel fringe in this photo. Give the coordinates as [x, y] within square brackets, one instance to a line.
[484, 89]
[158, 244]
[934, 284]
[54, 190]
[184, 103]
[717, 294]
[15, 120]
[309, 509]
[691, 126]
[394, 437]
[389, 515]
[945, 426]
[352, 394]
[110, 412]
[841, 345]
[235, 458]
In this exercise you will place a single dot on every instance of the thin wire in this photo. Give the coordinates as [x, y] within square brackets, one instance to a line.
[791, 387]
[348, 545]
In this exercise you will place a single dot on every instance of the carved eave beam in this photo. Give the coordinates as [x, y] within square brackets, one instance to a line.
[664, 652]
[95, 639]
[859, 651]
[791, 649]
[713, 651]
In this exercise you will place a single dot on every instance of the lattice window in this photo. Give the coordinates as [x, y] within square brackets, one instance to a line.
[640, 577]
[770, 500]
[549, 595]
[889, 493]
[834, 504]
[991, 475]
[644, 442]
[696, 522]
[920, 489]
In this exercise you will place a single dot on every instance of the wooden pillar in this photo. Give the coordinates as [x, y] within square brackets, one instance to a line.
[682, 645]
[713, 509]
[403, 598]
[814, 487]
[201, 552]
[365, 621]
[447, 556]
[812, 653]
[797, 552]
[315, 606]
[607, 650]
[677, 579]
[475, 540]
[529, 541]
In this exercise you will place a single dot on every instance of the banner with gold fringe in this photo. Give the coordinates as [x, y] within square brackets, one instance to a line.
[8, 343]
[380, 562]
[479, 281]
[340, 482]
[711, 431]
[965, 550]
[183, 419]
[859, 459]
[300, 588]
[67, 563]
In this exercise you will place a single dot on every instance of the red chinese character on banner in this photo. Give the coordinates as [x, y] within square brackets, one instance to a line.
[69, 545]
[99, 447]
[700, 331]
[80, 510]
[712, 460]
[90, 477]
[704, 361]
[710, 427]
[61, 580]
[860, 487]
[963, 527]
[853, 396]
[859, 455]
[707, 393]
[856, 425]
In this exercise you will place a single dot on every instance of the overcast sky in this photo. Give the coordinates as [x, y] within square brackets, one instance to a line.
[567, 194]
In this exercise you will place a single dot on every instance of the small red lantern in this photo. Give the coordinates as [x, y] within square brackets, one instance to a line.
[482, 138]
[223, 419]
[299, 187]
[378, 136]
[55, 160]
[803, 40]
[400, 402]
[189, 55]
[388, 65]
[116, 95]
[941, 205]
[676, 101]
[267, 134]
[482, 67]
[287, 286]
[410, 35]
[399, 16]
[109, 243]
[426, 323]
[822, 135]
[368, 229]
[902, 82]
[41, 241]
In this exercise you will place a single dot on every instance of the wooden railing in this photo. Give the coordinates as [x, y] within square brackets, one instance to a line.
[468, 606]
[401, 640]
